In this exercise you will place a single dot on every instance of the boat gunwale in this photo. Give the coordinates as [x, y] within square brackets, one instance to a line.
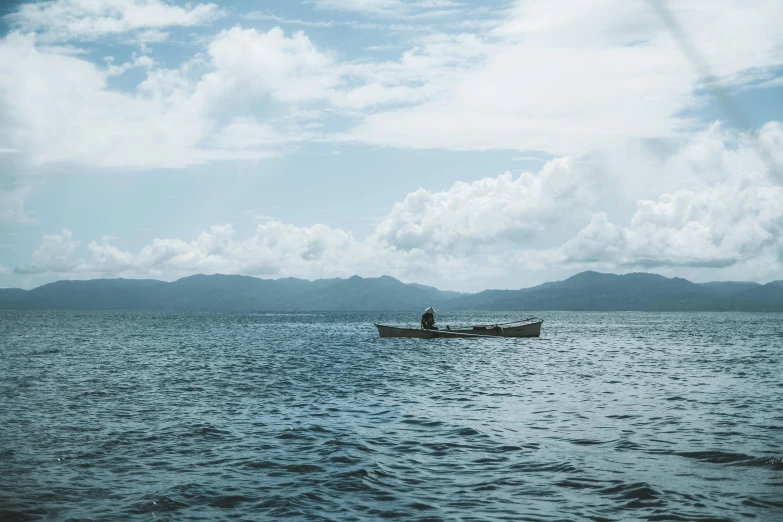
[472, 332]
[434, 333]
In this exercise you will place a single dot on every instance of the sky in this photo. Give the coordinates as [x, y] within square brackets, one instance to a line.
[463, 145]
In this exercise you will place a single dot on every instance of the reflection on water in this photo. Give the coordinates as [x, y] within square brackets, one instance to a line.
[202, 416]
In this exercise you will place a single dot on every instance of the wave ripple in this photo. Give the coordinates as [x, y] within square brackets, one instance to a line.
[312, 416]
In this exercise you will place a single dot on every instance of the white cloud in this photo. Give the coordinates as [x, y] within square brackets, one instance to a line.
[53, 256]
[775, 82]
[107, 258]
[393, 8]
[489, 211]
[730, 224]
[274, 249]
[149, 36]
[249, 63]
[456, 232]
[90, 19]
[350, 23]
[259, 15]
[422, 73]
[63, 49]
[137, 61]
[569, 77]
[726, 225]
[569, 84]
[363, 6]
[592, 81]
[59, 110]
[563, 77]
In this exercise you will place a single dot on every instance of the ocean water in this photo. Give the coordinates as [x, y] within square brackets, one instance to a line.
[607, 416]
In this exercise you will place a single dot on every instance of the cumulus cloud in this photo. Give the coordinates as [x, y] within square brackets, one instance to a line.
[86, 20]
[722, 226]
[473, 232]
[728, 224]
[490, 210]
[248, 62]
[274, 248]
[53, 256]
[457, 231]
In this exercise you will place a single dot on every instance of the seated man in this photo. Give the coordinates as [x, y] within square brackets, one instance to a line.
[428, 319]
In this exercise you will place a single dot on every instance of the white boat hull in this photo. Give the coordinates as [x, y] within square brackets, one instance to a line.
[524, 330]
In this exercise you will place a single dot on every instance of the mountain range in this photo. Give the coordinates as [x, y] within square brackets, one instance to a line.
[584, 291]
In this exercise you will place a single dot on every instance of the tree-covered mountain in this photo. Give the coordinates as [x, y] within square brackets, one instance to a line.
[227, 293]
[637, 291]
[584, 291]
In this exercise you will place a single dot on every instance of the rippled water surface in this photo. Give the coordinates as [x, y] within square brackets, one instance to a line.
[607, 416]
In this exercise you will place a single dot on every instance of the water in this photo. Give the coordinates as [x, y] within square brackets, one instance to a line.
[607, 416]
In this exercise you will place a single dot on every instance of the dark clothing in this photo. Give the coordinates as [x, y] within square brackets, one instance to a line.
[428, 322]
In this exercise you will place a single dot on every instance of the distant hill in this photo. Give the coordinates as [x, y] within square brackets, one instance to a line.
[584, 291]
[637, 291]
[227, 293]
[729, 287]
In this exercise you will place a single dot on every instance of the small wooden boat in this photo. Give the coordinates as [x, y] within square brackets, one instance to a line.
[530, 327]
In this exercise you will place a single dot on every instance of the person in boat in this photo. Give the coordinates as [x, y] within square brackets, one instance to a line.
[428, 319]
